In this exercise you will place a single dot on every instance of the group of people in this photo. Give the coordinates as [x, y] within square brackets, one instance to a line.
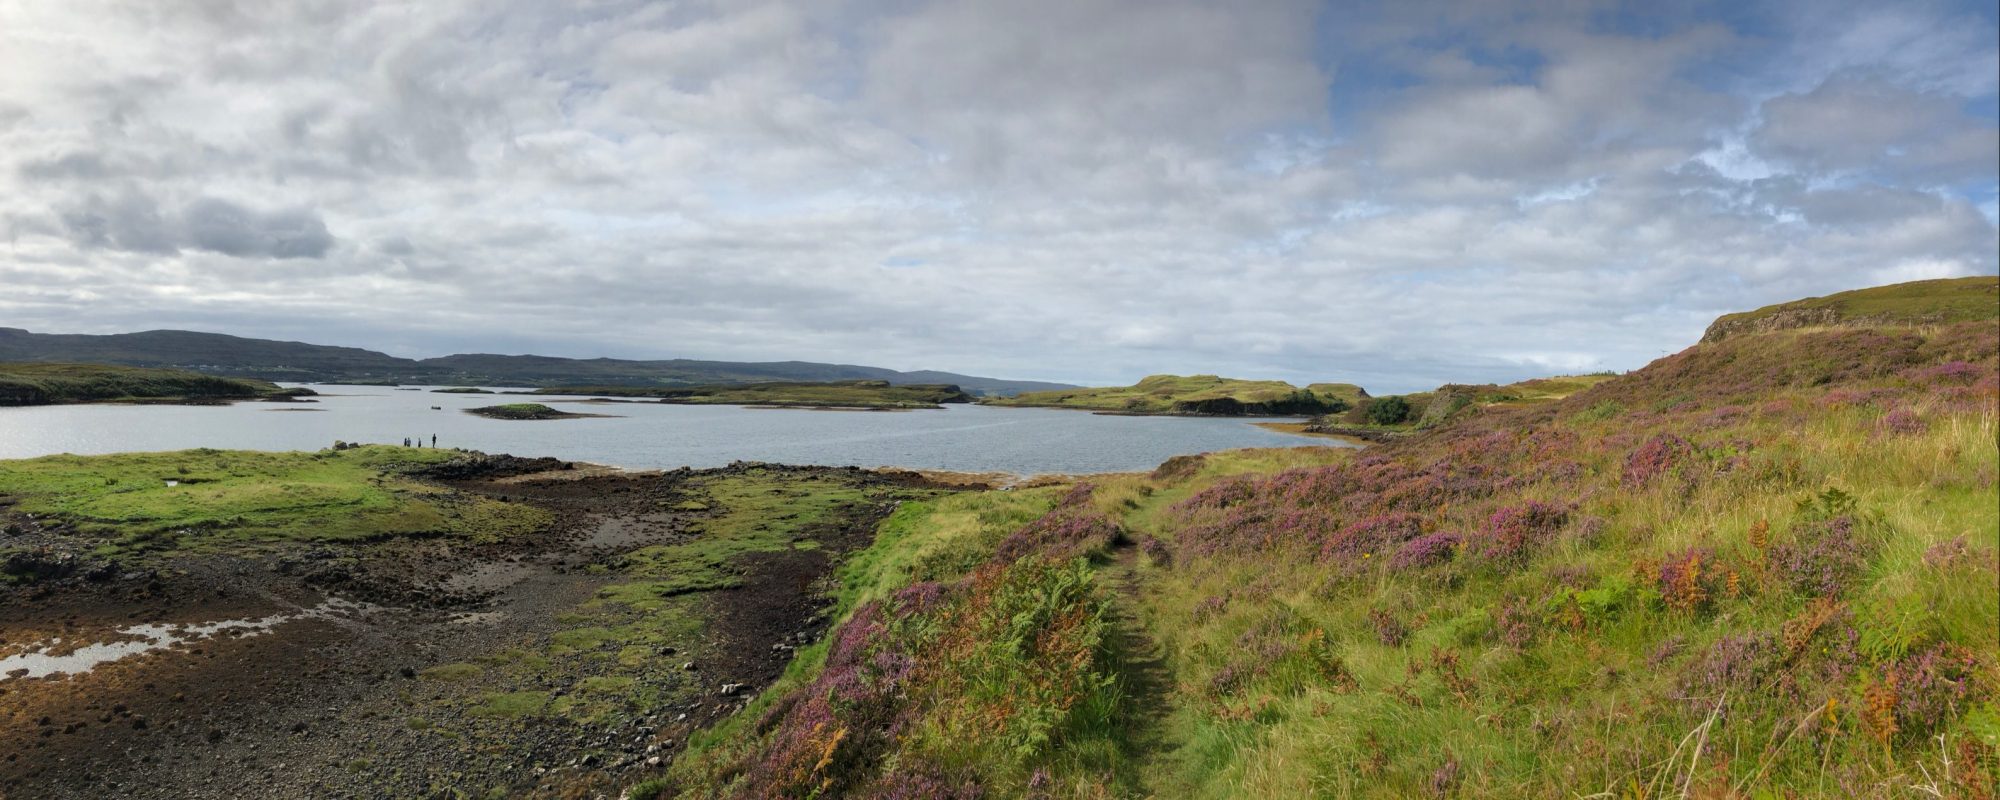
[419, 441]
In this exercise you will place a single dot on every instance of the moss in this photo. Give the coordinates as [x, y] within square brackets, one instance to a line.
[510, 705]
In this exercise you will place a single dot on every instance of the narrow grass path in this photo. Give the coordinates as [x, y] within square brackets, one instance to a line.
[1144, 675]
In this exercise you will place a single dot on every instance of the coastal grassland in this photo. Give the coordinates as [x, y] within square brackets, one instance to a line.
[1197, 394]
[1934, 302]
[36, 383]
[218, 498]
[1763, 567]
[836, 394]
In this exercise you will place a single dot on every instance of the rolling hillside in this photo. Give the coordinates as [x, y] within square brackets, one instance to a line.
[1761, 567]
[234, 356]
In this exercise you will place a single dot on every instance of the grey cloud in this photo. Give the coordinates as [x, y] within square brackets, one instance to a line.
[132, 221]
[227, 228]
[1856, 123]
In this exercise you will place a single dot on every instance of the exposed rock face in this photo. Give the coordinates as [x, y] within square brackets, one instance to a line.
[1736, 325]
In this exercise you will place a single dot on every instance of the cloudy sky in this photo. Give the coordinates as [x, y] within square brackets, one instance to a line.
[1080, 190]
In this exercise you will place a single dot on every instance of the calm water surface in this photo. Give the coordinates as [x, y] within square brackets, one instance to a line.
[649, 435]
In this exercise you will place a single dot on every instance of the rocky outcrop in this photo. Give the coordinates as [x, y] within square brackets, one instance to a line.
[1740, 324]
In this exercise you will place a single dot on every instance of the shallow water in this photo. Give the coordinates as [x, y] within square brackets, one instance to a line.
[964, 438]
[42, 658]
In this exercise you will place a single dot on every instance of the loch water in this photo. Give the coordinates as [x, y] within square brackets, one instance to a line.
[647, 435]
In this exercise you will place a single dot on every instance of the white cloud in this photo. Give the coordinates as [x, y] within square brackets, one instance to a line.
[1085, 190]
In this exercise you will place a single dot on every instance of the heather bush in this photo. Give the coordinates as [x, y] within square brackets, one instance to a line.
[1659, 456]
[1426, 551]
[1376, 534]
[1513, 532]
[1822, 557]
[1902, 422]
[1738, 663]
[1935, 686]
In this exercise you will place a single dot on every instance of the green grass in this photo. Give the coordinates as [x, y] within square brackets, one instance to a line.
[202, 498]
[1576, 671]
[753, 512]
[1170, 394]
[37, 383]
[1934, 302]
[511, 705]
[838, 394]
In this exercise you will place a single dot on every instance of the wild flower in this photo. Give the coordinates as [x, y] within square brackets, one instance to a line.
[1156, 550]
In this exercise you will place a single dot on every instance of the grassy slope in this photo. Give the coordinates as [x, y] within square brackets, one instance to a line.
[47, 384]
[1932, 302]
[844, 394]
[1163, 394]
[1758, 568]
[225, 498]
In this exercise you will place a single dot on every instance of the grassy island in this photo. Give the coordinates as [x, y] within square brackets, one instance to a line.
[525, 411]
[39, 383]
[463, 390]
[1199, 394]
[838, 394]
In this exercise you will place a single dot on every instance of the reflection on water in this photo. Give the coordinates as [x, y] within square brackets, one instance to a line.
[650, 435]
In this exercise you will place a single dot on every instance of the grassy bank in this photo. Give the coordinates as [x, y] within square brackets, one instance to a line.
[1198, 394]
[134, 503]
[1763, 567]
[840, 394]
[35, 384]
[1936, 302]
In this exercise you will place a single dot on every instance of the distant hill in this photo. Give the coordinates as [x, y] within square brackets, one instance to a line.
[48, 383]
[1937, 302]
[1200, 394]
[235, 356]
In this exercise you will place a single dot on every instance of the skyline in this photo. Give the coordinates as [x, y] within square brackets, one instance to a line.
[1082, 192]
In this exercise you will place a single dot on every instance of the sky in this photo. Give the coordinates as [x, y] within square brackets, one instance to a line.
[1399, 194]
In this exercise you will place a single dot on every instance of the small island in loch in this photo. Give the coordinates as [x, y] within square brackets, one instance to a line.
[863, 395]
[526, 411]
